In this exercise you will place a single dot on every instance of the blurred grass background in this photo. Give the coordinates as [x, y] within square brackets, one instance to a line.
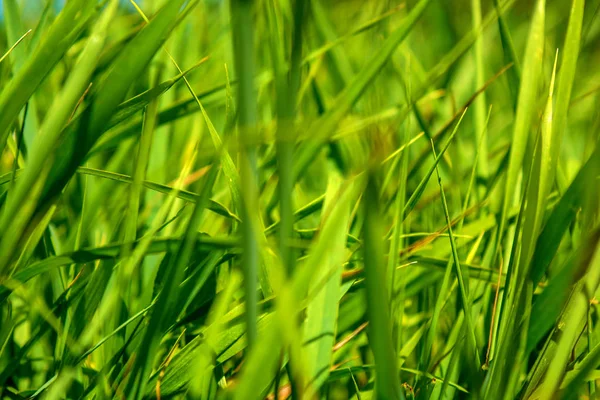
[299, 199]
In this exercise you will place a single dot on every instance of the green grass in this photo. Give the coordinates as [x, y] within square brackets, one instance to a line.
[300, 199]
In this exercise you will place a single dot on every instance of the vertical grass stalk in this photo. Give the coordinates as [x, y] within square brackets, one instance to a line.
[243, 49]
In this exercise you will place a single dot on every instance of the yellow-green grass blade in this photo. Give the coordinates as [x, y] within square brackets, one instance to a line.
[200, 386]
[525, 107]
[566, 79]
[463, 285]
[139, 172]
[295, 291]
[228, 343]
[510, 55]
[518, 297]
[347, 98]
[561, 217]
[581, 373]
[57, 117]
[98, 234]
[556, 126]
[186, 195]
[520, 137]
[316, 54]
[163, 314]
[426, 356]
[60, 36]
[416, 195]
[479, 105]
[341, 69]
[589, 261]
[559, 285]
[95, 310]
[111, 91]
[132, 106]
[377, 298]
[287, 88]
[548, 305]
[14, 45]
[321, 314]
[397, 303]
[74, 146]
[14, 27]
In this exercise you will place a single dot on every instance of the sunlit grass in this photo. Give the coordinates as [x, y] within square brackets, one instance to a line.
[299, 199]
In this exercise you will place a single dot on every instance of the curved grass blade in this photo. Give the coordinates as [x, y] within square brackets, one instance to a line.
[561, 217]
[500, 370]
[14, 45]
[135, 104]
[217, 208]
[328, 123]
[463, 284]
[321, 314]
[65, 29]
[590, 262]
[587, 366]
[416, 195]
[162, 315]
[112, 251]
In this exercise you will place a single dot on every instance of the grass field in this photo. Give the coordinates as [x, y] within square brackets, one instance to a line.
[300, 199]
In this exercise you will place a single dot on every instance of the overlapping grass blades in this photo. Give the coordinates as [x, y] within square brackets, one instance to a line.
[299, 199]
